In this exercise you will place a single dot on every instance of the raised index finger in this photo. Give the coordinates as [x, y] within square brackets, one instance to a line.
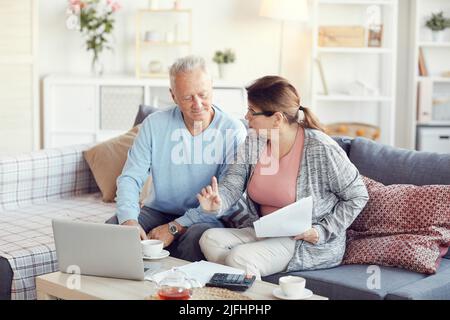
[214, 185]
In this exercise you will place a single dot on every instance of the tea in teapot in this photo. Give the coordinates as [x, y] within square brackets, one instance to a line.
[176, 286]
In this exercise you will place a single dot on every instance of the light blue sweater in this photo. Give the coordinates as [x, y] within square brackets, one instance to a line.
[180, 164]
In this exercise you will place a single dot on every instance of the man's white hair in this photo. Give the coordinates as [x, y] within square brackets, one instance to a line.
[186, 64]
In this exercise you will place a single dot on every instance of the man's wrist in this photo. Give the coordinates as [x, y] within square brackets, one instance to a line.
[124, 217]
[179, 228]
[130, 222]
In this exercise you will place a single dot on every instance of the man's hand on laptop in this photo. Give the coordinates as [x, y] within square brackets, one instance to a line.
[134, 223]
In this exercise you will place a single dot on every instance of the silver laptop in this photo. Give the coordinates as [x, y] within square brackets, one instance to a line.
[98, 249]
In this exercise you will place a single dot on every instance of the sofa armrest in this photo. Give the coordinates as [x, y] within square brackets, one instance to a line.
[39, 176]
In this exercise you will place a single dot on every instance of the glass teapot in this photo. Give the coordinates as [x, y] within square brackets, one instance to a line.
[176, 286]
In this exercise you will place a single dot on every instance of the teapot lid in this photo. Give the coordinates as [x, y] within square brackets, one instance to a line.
[173, 277]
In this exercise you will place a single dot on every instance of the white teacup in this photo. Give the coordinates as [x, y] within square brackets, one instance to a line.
[292, 286]
[152, 248]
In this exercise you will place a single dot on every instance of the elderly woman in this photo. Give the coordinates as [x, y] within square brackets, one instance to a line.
[307, 163]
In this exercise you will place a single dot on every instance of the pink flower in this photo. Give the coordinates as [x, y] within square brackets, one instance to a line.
[115, 6]
[76, 9]
[75, 5]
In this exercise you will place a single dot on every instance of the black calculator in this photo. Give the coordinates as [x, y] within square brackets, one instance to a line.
[235, 282]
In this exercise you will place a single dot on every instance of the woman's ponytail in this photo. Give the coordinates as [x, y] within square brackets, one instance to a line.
[308, 119]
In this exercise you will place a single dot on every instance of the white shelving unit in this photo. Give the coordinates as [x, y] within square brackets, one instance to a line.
[354, 50]
[430, 127]
[434, 79]
[434, 44]
[161, 22]
[350, 98]
[84, 109]
[343, 66]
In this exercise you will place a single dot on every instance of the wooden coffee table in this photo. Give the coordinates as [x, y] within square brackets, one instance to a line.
[59, 285]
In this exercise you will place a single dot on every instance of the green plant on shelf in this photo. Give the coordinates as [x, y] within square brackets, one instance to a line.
[226, 56]
[438, 22]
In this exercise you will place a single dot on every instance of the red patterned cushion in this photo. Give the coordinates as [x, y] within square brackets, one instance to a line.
[403, 226]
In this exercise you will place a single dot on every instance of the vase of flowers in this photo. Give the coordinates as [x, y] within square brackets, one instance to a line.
[224, 59]
[94, 19]
[437, 23]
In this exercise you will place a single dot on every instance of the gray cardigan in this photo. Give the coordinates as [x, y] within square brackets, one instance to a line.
[327, 175]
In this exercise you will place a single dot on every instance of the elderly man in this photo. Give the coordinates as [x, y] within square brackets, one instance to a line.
[182, 148]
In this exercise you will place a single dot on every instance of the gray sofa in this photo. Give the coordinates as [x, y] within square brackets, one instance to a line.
[390, 166]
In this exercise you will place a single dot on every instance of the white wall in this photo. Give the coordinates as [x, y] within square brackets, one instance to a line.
[217, 24]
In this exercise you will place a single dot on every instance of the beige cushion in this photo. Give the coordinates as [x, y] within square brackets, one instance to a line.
[106, 161]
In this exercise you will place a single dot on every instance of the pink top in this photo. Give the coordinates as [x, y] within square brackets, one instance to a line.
[275, 191]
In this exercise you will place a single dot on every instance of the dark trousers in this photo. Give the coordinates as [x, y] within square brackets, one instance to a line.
[186, 246]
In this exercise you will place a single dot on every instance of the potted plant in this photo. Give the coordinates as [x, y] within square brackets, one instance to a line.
[223, 59]
[437, 23]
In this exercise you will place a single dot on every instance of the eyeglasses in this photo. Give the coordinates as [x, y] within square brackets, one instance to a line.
[262, 113]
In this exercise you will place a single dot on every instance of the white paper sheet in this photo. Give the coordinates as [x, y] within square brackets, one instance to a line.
[291, 220]
[202, 271]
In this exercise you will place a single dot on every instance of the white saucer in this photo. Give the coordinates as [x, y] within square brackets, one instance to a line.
[163, 254]
[280, 295]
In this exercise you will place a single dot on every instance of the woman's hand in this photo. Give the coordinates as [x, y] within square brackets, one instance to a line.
[209, 197]
[311, 236]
